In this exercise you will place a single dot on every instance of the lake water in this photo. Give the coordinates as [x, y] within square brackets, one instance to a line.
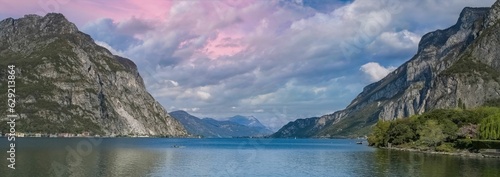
[228, 157]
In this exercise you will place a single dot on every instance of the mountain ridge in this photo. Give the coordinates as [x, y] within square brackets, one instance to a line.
[226, 128]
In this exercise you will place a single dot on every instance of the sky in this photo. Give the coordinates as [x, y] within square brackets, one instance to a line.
[277, 60]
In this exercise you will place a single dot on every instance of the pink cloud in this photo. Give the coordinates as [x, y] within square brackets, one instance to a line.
[82, 11]
[224, 45]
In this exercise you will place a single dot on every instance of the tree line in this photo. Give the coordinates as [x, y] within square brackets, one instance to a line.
[440, 130]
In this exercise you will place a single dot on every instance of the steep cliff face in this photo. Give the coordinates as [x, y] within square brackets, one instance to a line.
[455, 67]
[67, 83]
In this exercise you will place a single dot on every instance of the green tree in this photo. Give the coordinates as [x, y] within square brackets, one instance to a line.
[490, 127]
[449, 129]
[431, 134]
[379, 136]
[401, 132]
[461, 104]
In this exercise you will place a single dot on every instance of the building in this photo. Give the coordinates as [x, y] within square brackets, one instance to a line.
[19, 134]
[85, 133]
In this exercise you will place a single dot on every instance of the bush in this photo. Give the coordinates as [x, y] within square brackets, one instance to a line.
[464, 144]
[445, 147]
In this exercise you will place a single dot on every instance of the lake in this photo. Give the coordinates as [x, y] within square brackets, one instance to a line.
[228, 157]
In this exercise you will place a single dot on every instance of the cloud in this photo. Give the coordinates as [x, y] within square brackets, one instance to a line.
[111, 49]
[376, 72]
[271, 54]
[190, 109]
[402, 40]
[291, 59]
[116, 35]
[394, 45]
[258, 110]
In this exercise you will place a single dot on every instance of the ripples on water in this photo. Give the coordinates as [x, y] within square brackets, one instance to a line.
[229, 157]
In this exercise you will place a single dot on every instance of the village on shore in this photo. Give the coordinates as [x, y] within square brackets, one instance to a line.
[67, 135]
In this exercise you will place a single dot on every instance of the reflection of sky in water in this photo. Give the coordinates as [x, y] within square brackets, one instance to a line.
[233, 157]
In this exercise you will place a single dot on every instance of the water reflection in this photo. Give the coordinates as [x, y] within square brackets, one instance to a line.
[231, 157]
[52, 158]
[397, 163]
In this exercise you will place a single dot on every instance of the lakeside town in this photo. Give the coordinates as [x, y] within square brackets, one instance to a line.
[66, 135]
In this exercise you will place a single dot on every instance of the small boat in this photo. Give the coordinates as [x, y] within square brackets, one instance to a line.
[177, 146]
[359, 142]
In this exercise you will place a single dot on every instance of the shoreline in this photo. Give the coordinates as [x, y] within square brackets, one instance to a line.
[461, 154]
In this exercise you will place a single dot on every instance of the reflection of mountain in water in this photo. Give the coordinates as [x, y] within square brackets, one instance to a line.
[52, 158]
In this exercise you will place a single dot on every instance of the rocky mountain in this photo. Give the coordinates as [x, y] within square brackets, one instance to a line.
[212, 128]
[250, 121]
[65, 82]
[301, 128]
[194, 125]
[457, 67]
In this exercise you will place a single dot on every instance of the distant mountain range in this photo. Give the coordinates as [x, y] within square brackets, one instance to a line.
[236, 126]
[457, 67]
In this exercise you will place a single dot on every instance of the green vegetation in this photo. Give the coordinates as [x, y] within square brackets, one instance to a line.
[470, 66]
[355, 125]
[443, 130]
[490, 127]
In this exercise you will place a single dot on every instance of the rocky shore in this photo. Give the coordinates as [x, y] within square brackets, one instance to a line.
[463, 153]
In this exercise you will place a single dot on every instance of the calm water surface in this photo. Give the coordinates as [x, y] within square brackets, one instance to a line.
[228, 157]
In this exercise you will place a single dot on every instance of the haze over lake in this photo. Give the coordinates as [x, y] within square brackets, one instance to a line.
[229, 157]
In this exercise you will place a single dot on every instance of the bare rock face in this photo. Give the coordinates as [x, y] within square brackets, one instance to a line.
[455, 67]
[67, 83]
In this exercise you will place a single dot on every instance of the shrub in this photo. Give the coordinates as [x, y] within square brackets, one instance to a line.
[445, 147]
[464, 144]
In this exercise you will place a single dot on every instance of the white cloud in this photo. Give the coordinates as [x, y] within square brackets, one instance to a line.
[258, 110]
[402, 39]
[174, 83]
[317, 90]
[195, 109]
[290, 58]
[203, 95]
[376, 72]
[191, 109]
[111, 49]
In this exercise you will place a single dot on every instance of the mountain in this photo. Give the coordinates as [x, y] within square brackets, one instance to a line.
[302, 128]
[458, 67]
[212, 128]
[65, 82]
[250, 121]
[195, 125]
